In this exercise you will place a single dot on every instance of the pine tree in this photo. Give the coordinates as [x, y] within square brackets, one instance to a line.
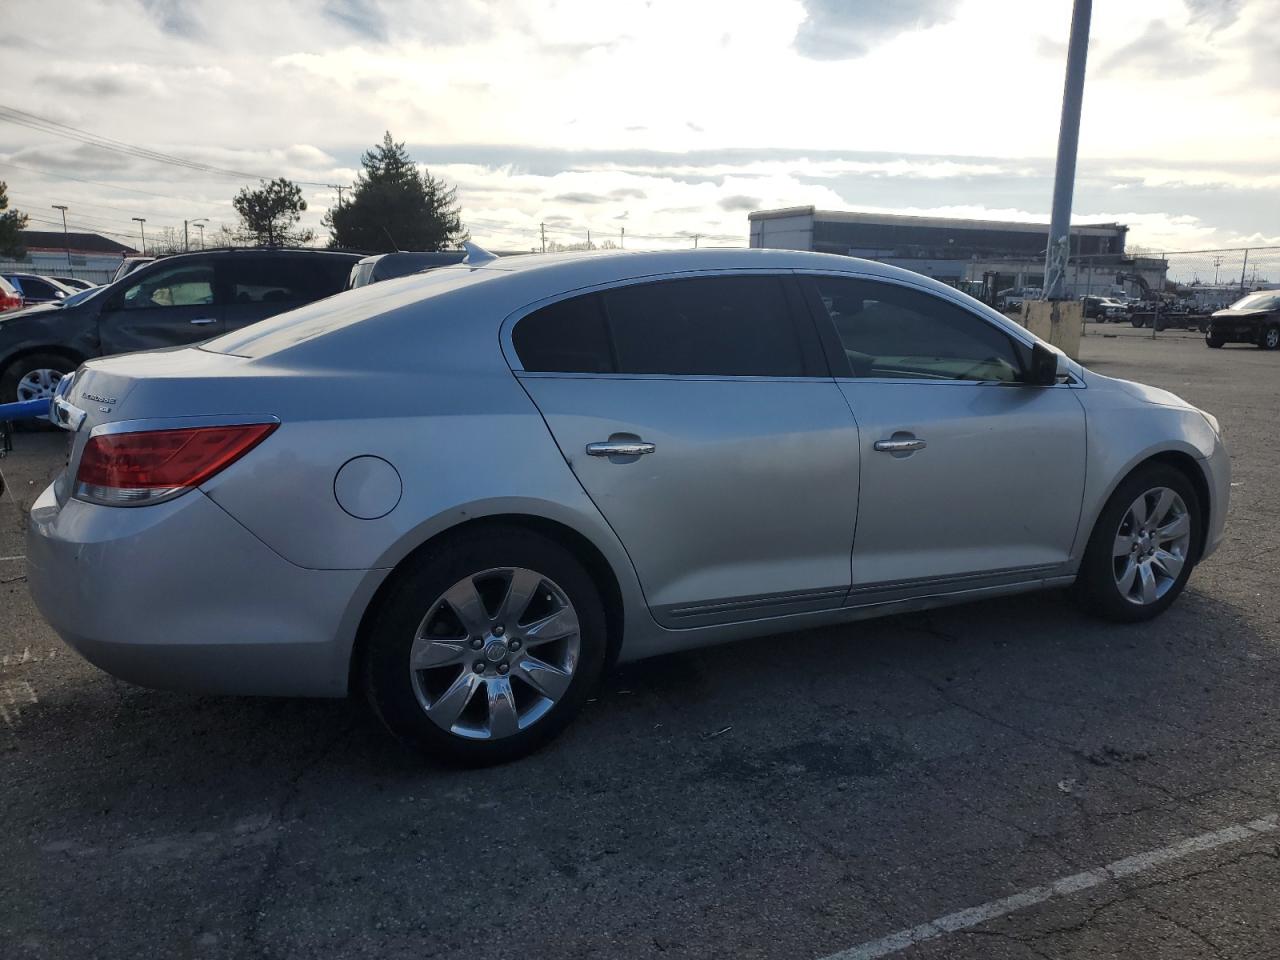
[269, 213]
[11, 223]
[394, 207]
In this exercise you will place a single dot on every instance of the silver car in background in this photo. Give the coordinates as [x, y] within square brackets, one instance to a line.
[465, 493]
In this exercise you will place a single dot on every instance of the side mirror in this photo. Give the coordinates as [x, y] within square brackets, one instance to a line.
[1043, 371]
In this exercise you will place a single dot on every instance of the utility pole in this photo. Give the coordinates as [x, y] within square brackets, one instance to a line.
[1243, 267]
[66, 239]
[1217, 262]
[186, 244]
[542, 228]
[695, 241]
[142, 228]
[335, 186]
[200, 227]
[622, 239]
[588, 238]
[1059, 249]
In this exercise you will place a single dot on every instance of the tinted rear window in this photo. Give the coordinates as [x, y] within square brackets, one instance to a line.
[710, 326]
[565, 337]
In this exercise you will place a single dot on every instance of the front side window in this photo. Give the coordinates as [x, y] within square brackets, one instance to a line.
[181, 285]
[890, 331]
[737, 326]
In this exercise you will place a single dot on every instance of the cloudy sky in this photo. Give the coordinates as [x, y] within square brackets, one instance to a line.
[666, 117]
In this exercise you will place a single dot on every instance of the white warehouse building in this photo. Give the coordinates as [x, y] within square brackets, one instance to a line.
[960, 252]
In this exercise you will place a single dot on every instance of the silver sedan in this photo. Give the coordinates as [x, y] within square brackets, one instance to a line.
[466, 493]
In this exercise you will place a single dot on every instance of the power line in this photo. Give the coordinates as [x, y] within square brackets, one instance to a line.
[34, 122]
[98, 183]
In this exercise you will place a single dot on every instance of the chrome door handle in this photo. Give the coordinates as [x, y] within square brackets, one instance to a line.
[203, 321]
[619, 448]
[899, 446]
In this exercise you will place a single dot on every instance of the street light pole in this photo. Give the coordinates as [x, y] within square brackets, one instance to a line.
[142, 228]
[1059, 249]
[199, 225]
[66, 239]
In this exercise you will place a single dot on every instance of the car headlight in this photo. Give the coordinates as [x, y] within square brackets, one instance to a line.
[1213, 423]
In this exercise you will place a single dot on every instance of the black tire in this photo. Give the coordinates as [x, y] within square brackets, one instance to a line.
[1095, 586]
[12, 375]
[386, 675]
[1213, 342]
[1137, 322]
[1269, 338]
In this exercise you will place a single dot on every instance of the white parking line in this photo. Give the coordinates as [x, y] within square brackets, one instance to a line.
[2, 559]
[972, 916]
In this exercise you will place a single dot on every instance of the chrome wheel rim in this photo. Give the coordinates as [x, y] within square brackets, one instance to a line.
[1273, 338]
[495, 652]
[38, 384]
[1151, 546]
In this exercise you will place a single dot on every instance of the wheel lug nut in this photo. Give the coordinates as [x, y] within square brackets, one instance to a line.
[479, 666]
[476, 643]
[514, 644]
[503, 668]
[499, 630]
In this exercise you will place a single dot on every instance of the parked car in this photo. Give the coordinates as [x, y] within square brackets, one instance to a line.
[75, 283]
[385, 266]
[1013, 297]
[1253, 319]
[177, 300]
[130, 264]
[10, 296]
[1104, 309]
[37, 289]
[466, 493]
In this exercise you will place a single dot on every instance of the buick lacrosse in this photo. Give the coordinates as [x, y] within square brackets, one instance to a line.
[464, 494]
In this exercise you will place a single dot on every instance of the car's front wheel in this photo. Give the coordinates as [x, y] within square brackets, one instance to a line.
[1270, 338]
[485, 650]
[33, 377]
[1143, 546]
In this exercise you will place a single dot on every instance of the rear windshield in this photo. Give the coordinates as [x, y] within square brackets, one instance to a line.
[338, 312]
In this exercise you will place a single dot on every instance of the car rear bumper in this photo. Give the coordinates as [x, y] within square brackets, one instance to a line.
[180, 596]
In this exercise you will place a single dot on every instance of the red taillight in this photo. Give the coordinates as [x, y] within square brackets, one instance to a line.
[151, 465]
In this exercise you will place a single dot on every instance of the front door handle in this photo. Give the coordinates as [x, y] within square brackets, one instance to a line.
[619, 448]
[900, 446]
[203, 321]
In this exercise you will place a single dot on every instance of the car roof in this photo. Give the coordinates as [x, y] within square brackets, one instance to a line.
[501, 288]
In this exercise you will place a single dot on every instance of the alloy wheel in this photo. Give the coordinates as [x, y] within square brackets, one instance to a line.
[495, 652]
[1151, 546]
[1271, 339]
[38, 384]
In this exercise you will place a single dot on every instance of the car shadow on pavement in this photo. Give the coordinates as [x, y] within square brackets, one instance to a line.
[999, 743]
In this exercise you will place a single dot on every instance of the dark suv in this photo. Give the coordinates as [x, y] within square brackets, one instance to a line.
[176, 300]
[1252, 319]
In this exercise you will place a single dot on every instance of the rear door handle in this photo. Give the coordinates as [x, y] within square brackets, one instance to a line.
[900, 446]
[619, 448]
[203, 321]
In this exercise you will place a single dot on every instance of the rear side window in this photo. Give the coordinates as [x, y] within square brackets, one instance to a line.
[896, 332]
[713, 326]
[565, 337]
[281, 279]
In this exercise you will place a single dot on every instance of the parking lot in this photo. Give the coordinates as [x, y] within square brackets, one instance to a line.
[844, 791]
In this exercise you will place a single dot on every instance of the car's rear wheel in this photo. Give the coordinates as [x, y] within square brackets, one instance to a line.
[1270, 338]
[33, 377]
[484, 651]
[1137, 322]
[1143, 546]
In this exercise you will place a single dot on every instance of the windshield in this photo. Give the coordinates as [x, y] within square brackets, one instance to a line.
[1267, 300]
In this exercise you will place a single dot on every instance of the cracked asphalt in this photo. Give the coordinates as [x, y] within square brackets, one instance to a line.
[789, 797]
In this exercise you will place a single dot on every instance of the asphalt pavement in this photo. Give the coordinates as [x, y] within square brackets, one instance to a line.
[1008, 779]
